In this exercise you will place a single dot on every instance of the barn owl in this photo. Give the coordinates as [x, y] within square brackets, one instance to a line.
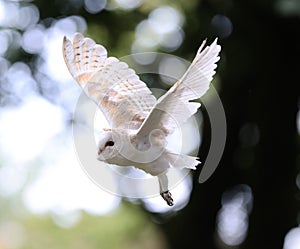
[139, 123]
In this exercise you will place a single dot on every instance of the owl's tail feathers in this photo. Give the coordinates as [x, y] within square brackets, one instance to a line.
[181, 161]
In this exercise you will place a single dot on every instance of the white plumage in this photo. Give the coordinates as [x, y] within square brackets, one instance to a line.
[139, 123]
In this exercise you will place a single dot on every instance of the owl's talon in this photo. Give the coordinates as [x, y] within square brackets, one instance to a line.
[167, 196]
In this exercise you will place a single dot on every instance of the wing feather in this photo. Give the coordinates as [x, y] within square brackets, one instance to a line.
[124, 99]
[174, 108]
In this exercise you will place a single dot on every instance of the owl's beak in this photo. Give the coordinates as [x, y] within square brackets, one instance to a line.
[100, 151]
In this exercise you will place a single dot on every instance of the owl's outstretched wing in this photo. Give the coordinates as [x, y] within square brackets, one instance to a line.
[174, 108]
[123, 98]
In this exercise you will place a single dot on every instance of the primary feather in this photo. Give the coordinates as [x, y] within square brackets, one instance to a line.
[174, 108]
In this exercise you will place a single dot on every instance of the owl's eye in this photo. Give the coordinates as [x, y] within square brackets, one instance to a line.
[109, 143]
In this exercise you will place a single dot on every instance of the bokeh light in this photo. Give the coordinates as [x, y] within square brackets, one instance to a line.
[292, 239]
[128, 4]
[94, 6]
[232, 219]
[4, 40]
[288, 7]
[222, 25]
[146, 34]
[162, 29]
[249, 135]
[20, 16]
[33, 39]
[165, 19]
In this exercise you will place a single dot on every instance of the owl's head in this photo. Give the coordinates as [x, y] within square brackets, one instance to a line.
[116, 146]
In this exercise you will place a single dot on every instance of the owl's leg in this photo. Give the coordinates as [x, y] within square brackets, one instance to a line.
[163, 187]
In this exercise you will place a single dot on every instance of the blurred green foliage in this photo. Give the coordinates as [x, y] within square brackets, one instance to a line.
[127, 227]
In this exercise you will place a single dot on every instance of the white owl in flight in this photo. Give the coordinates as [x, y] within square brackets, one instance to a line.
[139, 123]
